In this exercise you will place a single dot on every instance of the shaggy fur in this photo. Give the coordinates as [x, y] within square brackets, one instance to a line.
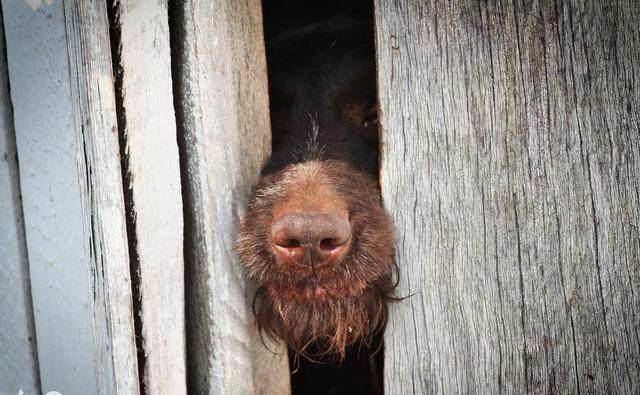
[322, 90]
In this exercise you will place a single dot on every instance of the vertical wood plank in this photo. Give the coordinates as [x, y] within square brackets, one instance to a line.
[148, 128]
[511, 166]
[64, 111]
[223, 118]
[18, 363]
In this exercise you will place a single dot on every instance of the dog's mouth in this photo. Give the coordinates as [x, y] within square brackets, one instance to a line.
[315, 289]
[312, 282]
[312, 289]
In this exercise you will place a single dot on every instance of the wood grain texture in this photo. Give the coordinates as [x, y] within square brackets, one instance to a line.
[64, 113]
[148, 132]
[511, 167]
[223, 121]
[18, 360]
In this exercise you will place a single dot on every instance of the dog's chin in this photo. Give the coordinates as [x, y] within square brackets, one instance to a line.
[316, 322]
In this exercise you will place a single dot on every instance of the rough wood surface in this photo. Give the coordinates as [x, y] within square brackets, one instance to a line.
[62, 92]
[18, 363]
[223, 121]
[148, 132]
[511, 166]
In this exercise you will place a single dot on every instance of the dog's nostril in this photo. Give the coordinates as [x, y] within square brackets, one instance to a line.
[330, 243]
[288, 243]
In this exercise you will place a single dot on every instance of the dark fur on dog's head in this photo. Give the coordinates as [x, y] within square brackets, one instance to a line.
[325, 154]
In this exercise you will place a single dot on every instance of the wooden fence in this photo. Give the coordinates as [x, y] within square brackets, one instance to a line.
[132, 131]
[511, 167]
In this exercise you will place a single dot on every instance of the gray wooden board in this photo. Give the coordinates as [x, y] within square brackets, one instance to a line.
[18, 364]
[511, 167]
[153, 173]
[66, 135]
[223, 120]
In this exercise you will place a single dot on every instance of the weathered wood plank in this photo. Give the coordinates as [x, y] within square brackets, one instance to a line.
[148, 132]
[511, 166]
[223, 118]
[18, 364]
[62, 92]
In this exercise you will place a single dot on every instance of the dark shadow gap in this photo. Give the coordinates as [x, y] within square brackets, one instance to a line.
[113, 13]
[196, 356]
[362, 370]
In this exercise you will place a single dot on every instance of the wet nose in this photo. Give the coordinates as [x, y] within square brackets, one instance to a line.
[312, 239]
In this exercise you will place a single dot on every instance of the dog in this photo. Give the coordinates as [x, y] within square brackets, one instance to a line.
[316, 238]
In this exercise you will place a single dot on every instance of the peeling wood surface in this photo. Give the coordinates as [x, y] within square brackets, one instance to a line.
[222, 110]
[18, 363]
[148, 125]
[66, 135]
[511, 166]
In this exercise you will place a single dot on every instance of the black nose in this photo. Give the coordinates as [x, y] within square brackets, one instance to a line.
[311, 239]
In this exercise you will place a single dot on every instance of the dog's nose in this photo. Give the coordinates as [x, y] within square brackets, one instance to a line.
[311, 239]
